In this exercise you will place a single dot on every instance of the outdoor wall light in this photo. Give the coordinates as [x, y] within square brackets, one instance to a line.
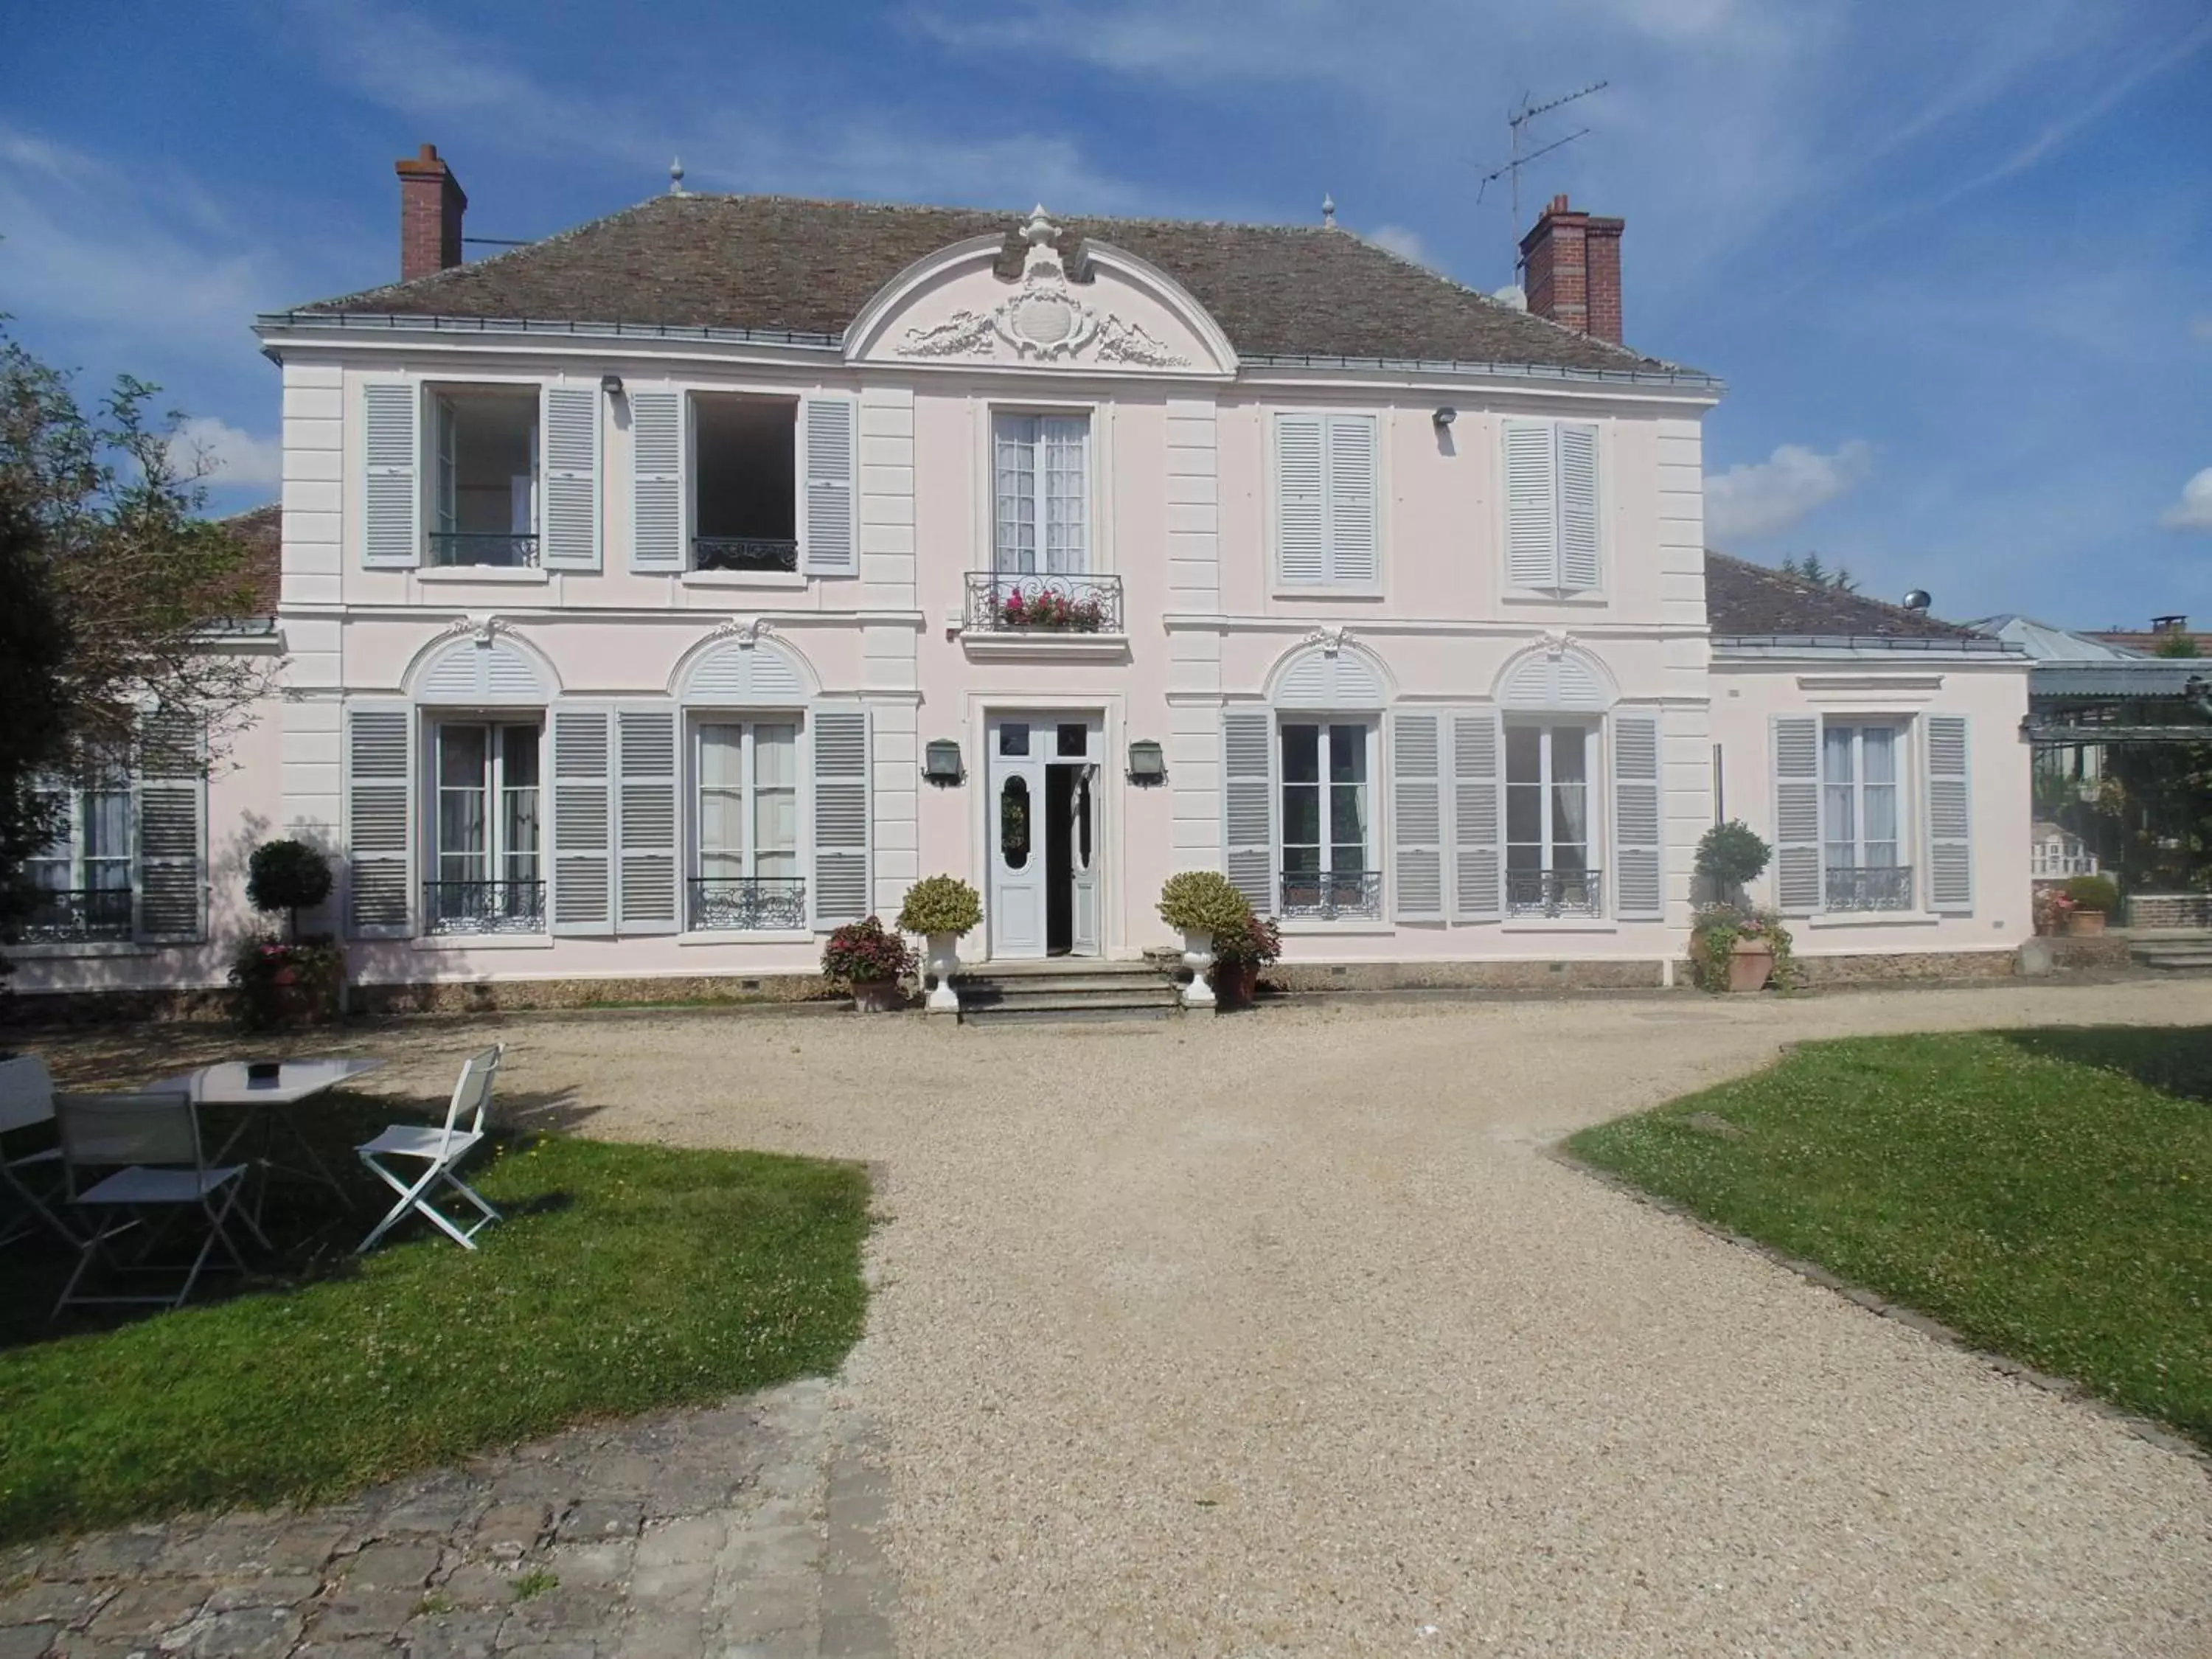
[940, 762]
[611, 385]
[1444, 416]
[1147, 765]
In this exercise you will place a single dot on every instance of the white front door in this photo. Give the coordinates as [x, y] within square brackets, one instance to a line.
[1015, 824]
[1083, 850]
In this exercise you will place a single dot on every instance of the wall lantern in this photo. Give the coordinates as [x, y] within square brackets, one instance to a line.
[1147, 765]
[940, 762]
[611, 385]
[1444, 416]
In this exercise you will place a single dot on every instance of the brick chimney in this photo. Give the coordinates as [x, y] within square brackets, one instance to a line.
[431, 204]
[1572, 268]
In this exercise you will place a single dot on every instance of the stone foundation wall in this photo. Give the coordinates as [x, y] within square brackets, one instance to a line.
[1899, 967]
[1470, 975]
[2170, 910]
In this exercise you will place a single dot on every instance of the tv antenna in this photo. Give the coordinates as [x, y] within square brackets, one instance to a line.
[1517, 124]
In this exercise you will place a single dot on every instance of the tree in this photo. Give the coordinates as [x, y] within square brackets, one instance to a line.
[289, 876]
[33, 646]
[1810, 569]
[2177, 645]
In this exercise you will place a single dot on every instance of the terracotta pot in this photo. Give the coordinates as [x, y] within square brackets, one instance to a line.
[1236, 984]
[1750, 965]
[876, 996]
[2085, 921]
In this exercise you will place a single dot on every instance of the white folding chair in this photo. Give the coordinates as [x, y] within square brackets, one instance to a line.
[151, 1143]
[26, 1101]
[440, 1149]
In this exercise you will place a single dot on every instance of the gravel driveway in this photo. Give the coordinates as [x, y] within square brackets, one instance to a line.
[1278, 1334]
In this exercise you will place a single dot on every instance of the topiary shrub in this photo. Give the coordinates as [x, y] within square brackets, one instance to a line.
[1731, 855]
[289, 876]
[2094, 893]
[1203, 902]
[941, 904]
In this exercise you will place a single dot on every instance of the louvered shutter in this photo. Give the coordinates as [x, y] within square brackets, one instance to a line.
[1532, 525]
[841, 815]
[1578, 516]
[1638, 884]
[831, 542]
[569, 531]
[656, 436]
[1351, 501]
[1301, 515]
[1797, 814]
[380, 820]
[1950, 816]
[645, 820]
[1417, 815]
[391, 500]
[1248, 805]
[172, 788]
[1475, 838]
[583, 822]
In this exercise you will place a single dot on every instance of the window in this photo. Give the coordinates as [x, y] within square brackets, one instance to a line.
[1551, 507]
[1548, 867]
[80, 882]
[748, 826]
[1328, 869]
[1862, 844]
[1325, 501]
[1041, 468]
[487, 875]
[744, 506]
[483, 479]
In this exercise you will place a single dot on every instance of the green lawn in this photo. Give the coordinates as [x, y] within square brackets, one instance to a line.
[625, 1277]
[2047, 1194]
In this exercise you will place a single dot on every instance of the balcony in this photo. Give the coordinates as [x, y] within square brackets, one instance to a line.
[1319, 896]
[754, 554]
[1867, 887]
[751, 904]
[1012, 603]
[78, 915]
[492, 550]
[483, 907]
[1553, 893]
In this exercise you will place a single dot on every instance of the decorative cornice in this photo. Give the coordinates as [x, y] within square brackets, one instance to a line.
[747, 631]
[1330, 640]
[482, 624]
[1557, 642]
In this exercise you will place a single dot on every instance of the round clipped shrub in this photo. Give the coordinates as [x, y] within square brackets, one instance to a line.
[2094, 893]
[289, 876]
[941, 904]
[1731, 855]
[1203, 902]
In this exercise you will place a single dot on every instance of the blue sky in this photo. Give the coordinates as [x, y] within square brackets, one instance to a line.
[1954, 261]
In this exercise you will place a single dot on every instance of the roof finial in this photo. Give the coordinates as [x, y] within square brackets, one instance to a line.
[1039, 231]
[1328, 211]
[676, 177]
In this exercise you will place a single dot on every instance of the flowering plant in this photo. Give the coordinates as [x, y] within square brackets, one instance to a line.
[1714, 932]
[1254, 945]
[1053, 611]
[2053, 905]
[865, 953]
[275, 983]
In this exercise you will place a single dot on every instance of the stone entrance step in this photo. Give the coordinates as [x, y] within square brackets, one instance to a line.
[1064, 988]
[2174, 953]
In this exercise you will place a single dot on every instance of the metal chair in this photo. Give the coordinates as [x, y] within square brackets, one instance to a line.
[26, 1102]
[151, 1144]
[441, 1150]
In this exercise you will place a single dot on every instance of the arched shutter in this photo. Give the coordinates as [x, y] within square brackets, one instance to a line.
[380, 820]
[1476, 860]
[1950, 816]
[841, 814]
[657, 516]
[1638, 883]
[569, 531]
[831, 542]
[646, 820]
[1417, 816]
[583, 822]
[1797, 814]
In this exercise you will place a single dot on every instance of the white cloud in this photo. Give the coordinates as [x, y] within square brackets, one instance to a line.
[2194, 510]
[226, 455]
[1404, 243]
[1758, 498]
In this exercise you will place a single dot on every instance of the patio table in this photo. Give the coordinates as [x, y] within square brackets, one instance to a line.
[227, 1083]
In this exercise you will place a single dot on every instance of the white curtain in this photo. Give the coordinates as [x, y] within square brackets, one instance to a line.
[1041, 482]
[1017, 537]
[1067, 494]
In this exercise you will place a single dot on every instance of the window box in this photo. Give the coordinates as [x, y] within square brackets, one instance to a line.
[1015, 603]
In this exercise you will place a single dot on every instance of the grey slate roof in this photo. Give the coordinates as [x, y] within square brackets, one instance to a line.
[262, 530]
[1746, 600]
[779, 262]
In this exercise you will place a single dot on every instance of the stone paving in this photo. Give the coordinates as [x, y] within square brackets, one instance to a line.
[746, 1531]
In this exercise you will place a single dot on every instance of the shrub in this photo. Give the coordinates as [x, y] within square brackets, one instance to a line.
[863, 951]
[1255, 945]
[1203, 902]
[2094, 893]
[2053, 905]
[941, 904]
[1731, 854]
[1713, 935]
[276, 983]
[289, 876]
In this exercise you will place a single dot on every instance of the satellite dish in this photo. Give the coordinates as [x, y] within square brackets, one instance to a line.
[1917, 599]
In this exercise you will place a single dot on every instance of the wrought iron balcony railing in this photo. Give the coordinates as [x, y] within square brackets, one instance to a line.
[1869, 887]
[68, 915]
[1011, 603]
[488, 548]
[757, 553]
[1554, 893]
[748, 905]
[483, 907]
[1327, 895]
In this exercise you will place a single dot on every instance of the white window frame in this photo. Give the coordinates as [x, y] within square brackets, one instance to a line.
[692, 474]
[70, 837]
[439, 517]
[498, 858]
[1902, 761]
[1001, 417]
[1332, 586]
[1558, 591]
[1596, 804]
[1368, 905]
[693, 784]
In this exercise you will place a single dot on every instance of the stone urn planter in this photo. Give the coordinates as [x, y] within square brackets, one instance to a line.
[2086, 922]
[876, 996]
[1198, 956]
[944, 962]
[1751, 964]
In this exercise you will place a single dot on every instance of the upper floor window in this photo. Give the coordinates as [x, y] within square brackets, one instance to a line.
[745, 495]
[1326, 491]
[483, 477]
[1041, 485]
[1551, 522]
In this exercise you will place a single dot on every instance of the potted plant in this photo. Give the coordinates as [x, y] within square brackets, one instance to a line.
[2095, 898]
[868, 959]
[2054, 909]
[1734, 947]
[1730, 857]
[1054, 612]
[1238, 956]
[289, 876]
[287, 981]
[941, 909]
[1202, 906]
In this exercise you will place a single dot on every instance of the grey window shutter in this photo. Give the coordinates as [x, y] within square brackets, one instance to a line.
[1247, 800]
[583, 822]
[1476, 860]
[657, 515]
[171, 787]
[1797, 814]
[645, 824]
[1353, 538]
[391, 499]
[568, 524]
[841, 814]
[1417, 816]
[831, 542]
[1950, 816]
[1532, 527]
[1301, 502]
[1638, 882]
[1578, 513]
[380, 820]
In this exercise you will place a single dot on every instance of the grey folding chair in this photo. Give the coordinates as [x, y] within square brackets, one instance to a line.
[439, 1149]
[34, 1176]
[150, 1145]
